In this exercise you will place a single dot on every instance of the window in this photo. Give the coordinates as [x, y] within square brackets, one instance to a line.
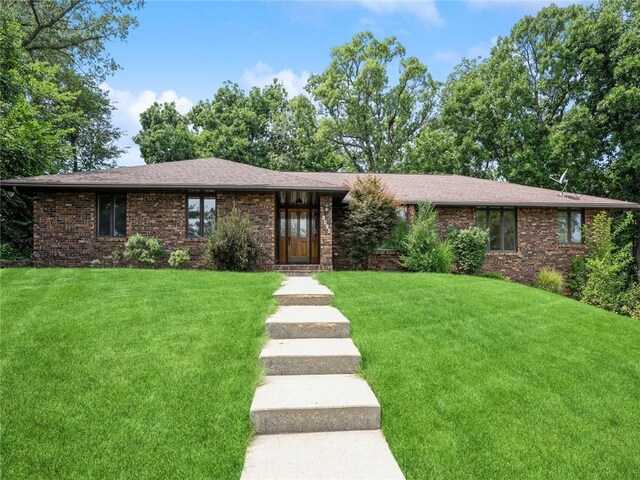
[111, 215]
[570, 226]
[501, 224]
[201, 215]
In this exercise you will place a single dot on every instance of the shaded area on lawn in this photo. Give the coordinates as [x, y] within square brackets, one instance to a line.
[129, 373]
[480, 378]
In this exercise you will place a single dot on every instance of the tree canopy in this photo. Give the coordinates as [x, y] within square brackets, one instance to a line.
[561, 91]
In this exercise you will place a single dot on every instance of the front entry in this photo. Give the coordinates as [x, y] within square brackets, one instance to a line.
[299, 235]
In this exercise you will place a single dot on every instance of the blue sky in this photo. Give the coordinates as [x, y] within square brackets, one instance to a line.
[183, 50]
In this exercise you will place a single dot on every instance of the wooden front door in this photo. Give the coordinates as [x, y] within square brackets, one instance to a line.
[299, 250]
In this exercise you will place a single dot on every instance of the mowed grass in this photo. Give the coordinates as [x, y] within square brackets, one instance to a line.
[480, 378]
[129, 373]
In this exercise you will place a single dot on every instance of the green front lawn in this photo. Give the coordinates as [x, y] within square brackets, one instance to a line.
[129, 373]
[480, 378]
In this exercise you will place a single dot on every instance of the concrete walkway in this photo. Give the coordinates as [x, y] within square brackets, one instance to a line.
[315, 418]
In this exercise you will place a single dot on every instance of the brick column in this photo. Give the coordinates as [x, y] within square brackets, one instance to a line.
[326, 232]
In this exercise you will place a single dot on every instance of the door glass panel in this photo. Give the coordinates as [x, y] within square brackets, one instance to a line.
[303, 224]
[314, 223]
[576, 227]
[209, 215]
[293, 224]
[104, 216]
[494, 230]
[283, 224]
[509, 229]
[194, 217]
[120, 216]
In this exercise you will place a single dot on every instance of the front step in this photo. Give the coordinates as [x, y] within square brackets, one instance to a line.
[358, 455]
[310, 356]
[314, 403]
[307, 322]
[303, 291]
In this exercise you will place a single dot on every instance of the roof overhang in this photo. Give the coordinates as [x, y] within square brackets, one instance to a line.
[174, 187]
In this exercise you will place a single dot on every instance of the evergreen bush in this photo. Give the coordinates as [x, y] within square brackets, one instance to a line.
[233, 245]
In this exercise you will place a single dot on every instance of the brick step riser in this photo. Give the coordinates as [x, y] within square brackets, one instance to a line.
[324, 365]
[268, 422]
[307, 330]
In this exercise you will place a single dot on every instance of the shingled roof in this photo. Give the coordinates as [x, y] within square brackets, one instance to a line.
[458, 190]
[204, 173]
[217, 174]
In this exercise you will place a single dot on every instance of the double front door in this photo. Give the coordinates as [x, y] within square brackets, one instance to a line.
[299, 236]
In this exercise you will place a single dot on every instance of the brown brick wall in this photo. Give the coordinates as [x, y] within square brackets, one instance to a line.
[537, 243]
[384, 260]
[538, 246]
[64, 225]
[326, 232]
[64, 231]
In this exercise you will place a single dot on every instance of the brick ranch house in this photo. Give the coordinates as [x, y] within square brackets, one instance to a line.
[83, 216]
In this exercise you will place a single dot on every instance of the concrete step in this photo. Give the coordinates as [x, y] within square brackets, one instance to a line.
[303, 291]
[314, 403]
[310, 356]
[307, 322]
[357, 455]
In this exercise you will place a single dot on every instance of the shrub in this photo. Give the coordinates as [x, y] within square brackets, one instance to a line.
[8, 252]
[495, 276]
[550, 280]
[179, 257]
[470, 249]
[630, 302]
[96, 263]
[233, 245]
[116, 257]
[607, 265]
[423, 251]
[143, 250]
[396, 242]
[371, 218]
[577, 276]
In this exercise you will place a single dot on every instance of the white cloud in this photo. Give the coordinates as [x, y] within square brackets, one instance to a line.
[482, 49]
[447, 56]
[424, 9]
[129, 106]
[263, 74]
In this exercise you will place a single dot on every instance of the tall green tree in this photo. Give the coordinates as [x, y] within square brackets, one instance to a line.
[560, 92]
[72, 35]
[262, 127]
[34, 119]
[74, 32]
[235, 125]
[299, 142]
[372, 121]
[92, 137]
[35, 113]
[53, 115]
[165, 135]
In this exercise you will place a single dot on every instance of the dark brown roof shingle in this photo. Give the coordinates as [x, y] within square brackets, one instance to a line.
[218, 174]
[461, 190]
[209, 173]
